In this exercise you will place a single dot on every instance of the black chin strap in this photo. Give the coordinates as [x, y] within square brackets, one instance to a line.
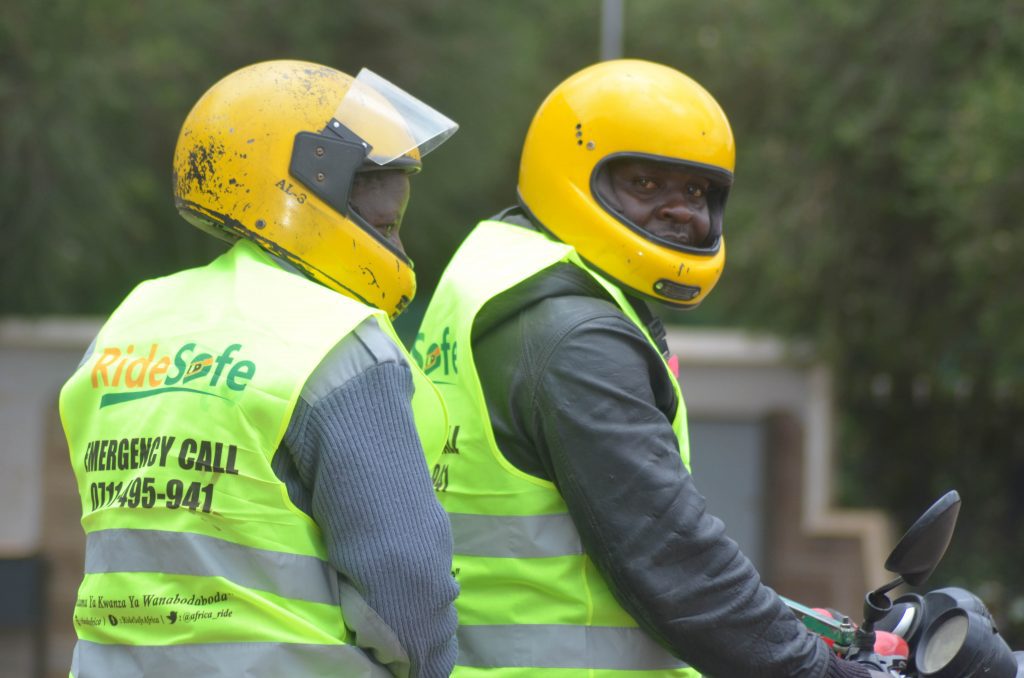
[653, 323]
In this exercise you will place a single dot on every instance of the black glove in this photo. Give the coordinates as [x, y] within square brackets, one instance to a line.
[842, 668]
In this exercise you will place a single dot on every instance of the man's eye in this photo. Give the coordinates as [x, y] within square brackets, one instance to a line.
[696, 191]
[645, 183]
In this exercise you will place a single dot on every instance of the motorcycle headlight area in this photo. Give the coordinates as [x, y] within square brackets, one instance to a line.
[963, 643]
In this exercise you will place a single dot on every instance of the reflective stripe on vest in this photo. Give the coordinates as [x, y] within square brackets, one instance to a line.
[531, 602]
[543, 536]
[559, 646]
[550, 645]
[195, 554]
[287, 575]
[223, 660]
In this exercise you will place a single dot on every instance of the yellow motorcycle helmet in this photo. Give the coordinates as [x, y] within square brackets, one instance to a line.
[628, 108]
[270, 152]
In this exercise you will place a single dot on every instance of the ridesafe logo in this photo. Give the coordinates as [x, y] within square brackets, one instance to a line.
[189, 371]
[439, 355]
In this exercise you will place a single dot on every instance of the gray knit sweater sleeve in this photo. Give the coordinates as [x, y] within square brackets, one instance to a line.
[352, 460]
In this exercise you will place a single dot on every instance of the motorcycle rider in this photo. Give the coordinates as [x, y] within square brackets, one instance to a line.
[250, 440]
[582, 544]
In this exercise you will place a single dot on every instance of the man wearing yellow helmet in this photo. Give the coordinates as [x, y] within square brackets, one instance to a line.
[582, 546]
[250, 440]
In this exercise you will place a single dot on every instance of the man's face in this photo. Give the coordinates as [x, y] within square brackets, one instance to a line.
[667, 201]
[380, 197]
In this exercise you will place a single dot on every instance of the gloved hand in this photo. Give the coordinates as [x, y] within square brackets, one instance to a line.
[844, 668]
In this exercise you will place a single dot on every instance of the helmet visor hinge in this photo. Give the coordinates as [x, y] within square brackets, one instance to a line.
[327, 163]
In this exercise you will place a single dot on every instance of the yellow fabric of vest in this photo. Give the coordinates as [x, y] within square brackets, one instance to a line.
[172, 424]
[531, 602]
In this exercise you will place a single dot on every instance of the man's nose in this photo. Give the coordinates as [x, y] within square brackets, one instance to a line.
[677, 208]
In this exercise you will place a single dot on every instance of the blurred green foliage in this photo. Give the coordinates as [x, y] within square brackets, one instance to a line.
[876, 209]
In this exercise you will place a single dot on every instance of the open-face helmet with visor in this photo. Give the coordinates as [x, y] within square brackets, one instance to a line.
[620, 111]
[270, 153]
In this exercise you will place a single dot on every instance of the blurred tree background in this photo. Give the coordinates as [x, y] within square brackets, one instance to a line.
[879, 189]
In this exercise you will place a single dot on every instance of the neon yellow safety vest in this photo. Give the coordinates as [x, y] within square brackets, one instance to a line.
[197, 562]
[531, 603]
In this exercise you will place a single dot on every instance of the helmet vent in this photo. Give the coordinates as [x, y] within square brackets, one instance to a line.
[674, 290]
[579, 134]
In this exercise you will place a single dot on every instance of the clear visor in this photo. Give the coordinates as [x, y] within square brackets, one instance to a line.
[393, 122]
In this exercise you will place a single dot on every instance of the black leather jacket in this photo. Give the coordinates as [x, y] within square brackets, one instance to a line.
[578, 396]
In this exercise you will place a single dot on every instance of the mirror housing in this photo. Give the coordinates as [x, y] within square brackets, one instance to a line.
[919, 551]
[914, 558]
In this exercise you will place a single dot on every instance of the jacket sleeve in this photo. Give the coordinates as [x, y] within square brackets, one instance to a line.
[355, 450]
[591, 398]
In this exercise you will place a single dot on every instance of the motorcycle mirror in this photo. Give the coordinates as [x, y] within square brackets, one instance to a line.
[919, 551]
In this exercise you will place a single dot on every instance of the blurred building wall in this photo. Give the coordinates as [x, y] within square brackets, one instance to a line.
[39, 505]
